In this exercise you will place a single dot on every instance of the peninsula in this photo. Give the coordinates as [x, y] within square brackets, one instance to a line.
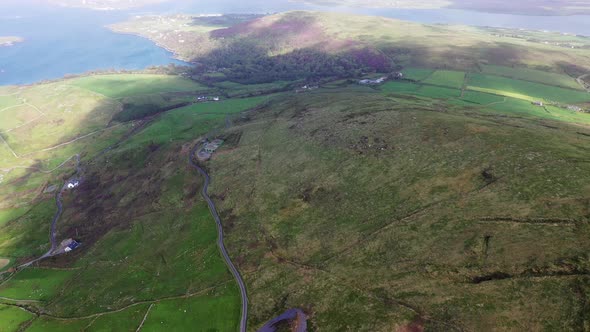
[105, 4]
[10, 40]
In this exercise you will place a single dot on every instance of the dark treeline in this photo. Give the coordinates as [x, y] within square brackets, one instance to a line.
[245, 62]
[224, 20]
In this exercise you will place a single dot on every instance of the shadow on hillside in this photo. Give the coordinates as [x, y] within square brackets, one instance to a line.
[298, 46]
[112, 172]
[293, 47]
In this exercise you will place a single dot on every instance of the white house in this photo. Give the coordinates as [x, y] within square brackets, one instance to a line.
[73, 184]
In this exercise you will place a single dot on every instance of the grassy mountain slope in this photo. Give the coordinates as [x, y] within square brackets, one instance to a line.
[148, 240]
[371, 210]
[446, 200]
[372, 41]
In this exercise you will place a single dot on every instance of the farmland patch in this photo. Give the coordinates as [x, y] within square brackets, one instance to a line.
[449, 78]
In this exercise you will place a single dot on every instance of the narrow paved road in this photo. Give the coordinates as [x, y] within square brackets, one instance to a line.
[58, 202]
[220, 243]
[60, 208]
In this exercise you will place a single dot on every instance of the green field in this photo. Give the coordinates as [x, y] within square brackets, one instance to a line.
[34, 284]
[12, 317]
[481, 98]
[10, 214]
[382, 245]
[525, 90]
[429, 91]
[525, 108]
[408, 206]
[417, 74]
[17, 116]
[230, 106]
[190, 263]
[44, 324]
[126, 320]
[8, 101]
[218, 310]
[65, 113]
[192, 121]
[501, 100]
[450, 78]
[233, 89]
[117, 86]
[532, 75]
[438, 92]
[399, 87]
[28, 235]
[163, 254]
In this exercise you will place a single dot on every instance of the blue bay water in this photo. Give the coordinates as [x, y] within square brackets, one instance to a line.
[60, 41]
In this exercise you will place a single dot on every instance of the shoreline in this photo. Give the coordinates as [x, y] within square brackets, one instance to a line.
[107, 71]
[97, 72]
[8, 41]
[175, 55]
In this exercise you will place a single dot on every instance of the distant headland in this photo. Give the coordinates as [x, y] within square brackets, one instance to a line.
[10, 40]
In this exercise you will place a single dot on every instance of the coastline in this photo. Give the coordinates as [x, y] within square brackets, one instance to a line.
[106, 71]
[106, 5]
[97, 72]
[8, 41]
[175, 54]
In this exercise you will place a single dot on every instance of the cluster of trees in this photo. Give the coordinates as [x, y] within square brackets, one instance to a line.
[243, 61]
[224, 20]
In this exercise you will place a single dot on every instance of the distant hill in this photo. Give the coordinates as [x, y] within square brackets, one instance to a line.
[105, 4]
[351, 42]
[526, 7]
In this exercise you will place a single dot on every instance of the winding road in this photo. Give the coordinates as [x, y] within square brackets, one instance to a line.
[59, 203]
[220, 244]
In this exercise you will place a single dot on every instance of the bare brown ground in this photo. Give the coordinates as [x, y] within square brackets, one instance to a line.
[4, 262]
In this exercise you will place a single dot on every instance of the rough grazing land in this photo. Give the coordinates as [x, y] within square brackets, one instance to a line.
[535, 91]
[431, 203]
[370, 40]
[148, 241]
[369, 216]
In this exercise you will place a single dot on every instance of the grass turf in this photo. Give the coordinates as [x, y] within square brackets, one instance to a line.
[161, 255]
[28, 235]
[351, 160]
[117, 86]
[532, 75]
[44, 324]
[403, 185]
[34, 284]
[218, 310]
[8, 101]
[450, 78]
[417, 74]
[525, 90]
[12, 318]
[126, 320]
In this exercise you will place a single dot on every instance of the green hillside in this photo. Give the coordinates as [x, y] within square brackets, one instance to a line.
[440, 200]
